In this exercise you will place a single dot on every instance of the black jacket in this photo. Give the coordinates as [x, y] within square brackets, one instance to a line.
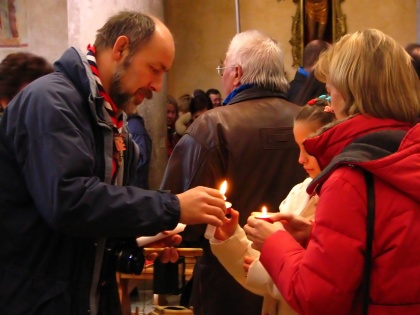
[137, 128]
[57, 203]
[295, 87]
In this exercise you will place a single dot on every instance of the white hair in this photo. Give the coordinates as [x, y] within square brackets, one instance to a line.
[261, 60]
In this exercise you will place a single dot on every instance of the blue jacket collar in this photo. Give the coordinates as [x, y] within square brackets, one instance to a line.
[236, 91]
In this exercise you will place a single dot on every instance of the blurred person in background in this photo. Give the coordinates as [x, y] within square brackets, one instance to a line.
[17, 70]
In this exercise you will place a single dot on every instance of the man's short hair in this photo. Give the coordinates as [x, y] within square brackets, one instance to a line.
[312, 51]
[212, 91]
[137, 26]
[199, 102]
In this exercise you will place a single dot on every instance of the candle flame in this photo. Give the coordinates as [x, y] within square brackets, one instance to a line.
[223, 188]
[264, 210]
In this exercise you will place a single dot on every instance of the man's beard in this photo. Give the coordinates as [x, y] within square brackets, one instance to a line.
[125, 101]
[120, 98]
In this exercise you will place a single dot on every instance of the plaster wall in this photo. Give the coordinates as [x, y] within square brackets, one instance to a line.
[46, 29]
[86, 16]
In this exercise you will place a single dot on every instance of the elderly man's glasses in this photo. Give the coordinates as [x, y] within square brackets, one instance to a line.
[221, 70]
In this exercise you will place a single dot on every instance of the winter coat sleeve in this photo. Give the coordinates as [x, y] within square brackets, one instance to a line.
[324, 277]
[259, 279]
[53, 140]
[231, 254]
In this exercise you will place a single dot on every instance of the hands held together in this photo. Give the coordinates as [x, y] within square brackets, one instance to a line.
[258, 230]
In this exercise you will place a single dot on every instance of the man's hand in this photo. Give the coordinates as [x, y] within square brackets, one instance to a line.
[297, 226]
[258, 230]
[228, 228]
[169, 253]
[202, 205]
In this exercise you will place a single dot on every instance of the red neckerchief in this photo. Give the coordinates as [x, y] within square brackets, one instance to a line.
[111, 108]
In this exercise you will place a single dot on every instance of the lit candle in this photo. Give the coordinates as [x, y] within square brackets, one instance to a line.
[209, 233]
[222, 190]
[263, 215]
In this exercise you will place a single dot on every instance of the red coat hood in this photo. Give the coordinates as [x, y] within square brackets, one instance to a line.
[400, 169]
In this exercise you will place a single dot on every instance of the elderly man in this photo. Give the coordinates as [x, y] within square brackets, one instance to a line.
[250, 144]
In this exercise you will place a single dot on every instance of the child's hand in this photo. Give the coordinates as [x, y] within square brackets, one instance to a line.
[228, 228]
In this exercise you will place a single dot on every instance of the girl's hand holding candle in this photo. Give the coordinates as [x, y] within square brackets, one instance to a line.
[257, 230]
[263, 215]
[225, 231]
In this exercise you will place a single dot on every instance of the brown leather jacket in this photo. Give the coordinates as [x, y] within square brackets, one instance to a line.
[250, 144]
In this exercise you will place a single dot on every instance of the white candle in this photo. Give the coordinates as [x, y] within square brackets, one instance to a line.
[209, 233]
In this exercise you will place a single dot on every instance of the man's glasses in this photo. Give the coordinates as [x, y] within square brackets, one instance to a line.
[221, 70]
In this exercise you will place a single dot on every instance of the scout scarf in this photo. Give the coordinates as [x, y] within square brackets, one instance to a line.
[117, 120]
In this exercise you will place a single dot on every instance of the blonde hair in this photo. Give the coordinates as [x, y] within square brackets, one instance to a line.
[374, 74]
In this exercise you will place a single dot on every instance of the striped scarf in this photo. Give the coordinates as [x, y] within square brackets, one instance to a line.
[117, 120]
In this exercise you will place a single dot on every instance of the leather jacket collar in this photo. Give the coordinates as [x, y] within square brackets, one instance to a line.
[255, 92]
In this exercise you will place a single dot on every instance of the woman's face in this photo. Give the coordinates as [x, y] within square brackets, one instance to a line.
[301, 131]
[338, 103]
